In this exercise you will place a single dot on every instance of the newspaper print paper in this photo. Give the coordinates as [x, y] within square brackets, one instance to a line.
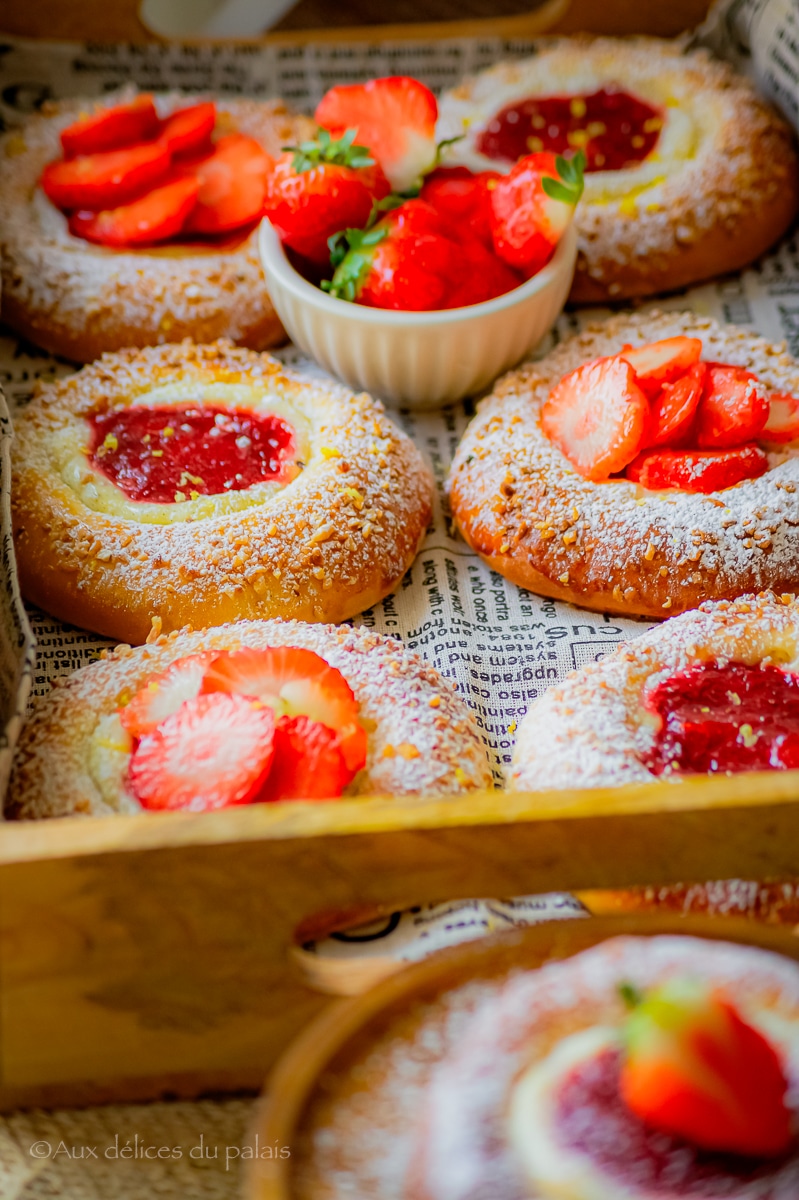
[502, 645]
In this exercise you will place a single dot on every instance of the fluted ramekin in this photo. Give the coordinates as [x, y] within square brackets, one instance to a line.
[417, 360]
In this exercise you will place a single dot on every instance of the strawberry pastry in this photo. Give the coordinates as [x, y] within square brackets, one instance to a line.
[200, 484]
[129, 221]
[689, 174]
[775, 902]
[645, 465]
[255, 712]
[366, 210]
[714, 691]
[643, 1068]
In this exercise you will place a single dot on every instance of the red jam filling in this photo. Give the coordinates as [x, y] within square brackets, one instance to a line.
[171, 454]
[614, 129]
[592, 1118]
[726, 718]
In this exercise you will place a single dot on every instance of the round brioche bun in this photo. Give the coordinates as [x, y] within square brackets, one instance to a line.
[79, 300]
[330, 543]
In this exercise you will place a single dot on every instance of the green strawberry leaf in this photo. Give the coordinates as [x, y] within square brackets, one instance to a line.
[569, 187]
[340, 153]
[338, 245]
[443, 145]
[353, 266]
[558, 191]
[630, 995]
[392, 200]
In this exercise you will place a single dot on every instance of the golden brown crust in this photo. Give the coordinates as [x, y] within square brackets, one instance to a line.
[80, 300]
[775, 903]
[330, 544]
[720, 188]
[415, 747]
[614, 546]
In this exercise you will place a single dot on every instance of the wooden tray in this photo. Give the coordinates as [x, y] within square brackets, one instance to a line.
[320, 20]
[150, 955]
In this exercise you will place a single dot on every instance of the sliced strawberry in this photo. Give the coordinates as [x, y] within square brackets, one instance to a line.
[697, 470]
[597, 415]
[232, 181]
[531, 208]
[99, 181]
[163, 694]
[394, 117]
[111, 128]
[463, 197]
[160, 214]
[733, 409]
[662, 362]
[189, 129]
[674, 407]
[480, 275]
[213, 752]
[783, 419]
[294, 682]
[309, 763]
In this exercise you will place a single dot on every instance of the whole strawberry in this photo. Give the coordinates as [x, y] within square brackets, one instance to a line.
[405, 261]
[463, 197]
[480, 275]
[319, 188]
[532, 207]
[696, 1069]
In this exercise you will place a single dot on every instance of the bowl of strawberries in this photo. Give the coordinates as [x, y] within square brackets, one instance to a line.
[410, 279]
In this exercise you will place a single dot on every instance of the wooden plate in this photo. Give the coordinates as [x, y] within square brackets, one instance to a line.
[329, 1045]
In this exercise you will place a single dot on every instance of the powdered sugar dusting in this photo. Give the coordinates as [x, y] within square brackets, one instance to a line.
[592, 730]
[772, 902]
[614, 545]
[325, 547]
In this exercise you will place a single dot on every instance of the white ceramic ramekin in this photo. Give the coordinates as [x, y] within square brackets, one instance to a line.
[417, 360]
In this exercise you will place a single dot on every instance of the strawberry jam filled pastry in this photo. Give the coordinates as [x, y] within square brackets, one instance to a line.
[689, 173]
[254, 712]
[714, 691]
[130, 221]
[645, 465]
[201, 484]
[644, 1068]
[771, 901]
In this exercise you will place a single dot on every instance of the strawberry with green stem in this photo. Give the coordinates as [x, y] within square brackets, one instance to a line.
[405, 261]
[532, 207]
[319, 188]
[696, 1069]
